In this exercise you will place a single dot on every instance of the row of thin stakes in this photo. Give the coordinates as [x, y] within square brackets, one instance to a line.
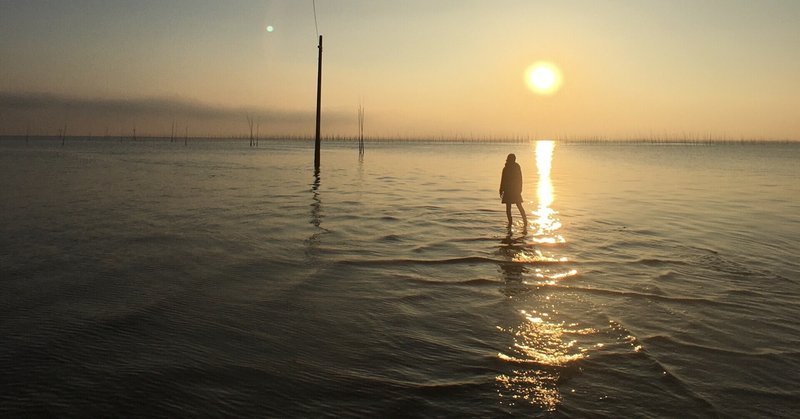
[62, 133]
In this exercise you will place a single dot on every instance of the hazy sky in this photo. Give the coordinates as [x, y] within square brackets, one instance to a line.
[420, 67]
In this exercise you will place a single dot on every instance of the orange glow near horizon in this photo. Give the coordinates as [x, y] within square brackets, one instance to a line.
[516, 77]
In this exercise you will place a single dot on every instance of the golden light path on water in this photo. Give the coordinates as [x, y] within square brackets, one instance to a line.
[546, 222]
[543, 346]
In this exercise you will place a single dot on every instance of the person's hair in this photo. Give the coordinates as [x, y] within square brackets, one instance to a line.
[511, 158]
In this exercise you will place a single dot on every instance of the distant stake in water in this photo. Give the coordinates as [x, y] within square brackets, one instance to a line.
[360, 130]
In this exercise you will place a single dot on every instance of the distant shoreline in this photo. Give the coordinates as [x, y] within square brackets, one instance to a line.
[377, 140]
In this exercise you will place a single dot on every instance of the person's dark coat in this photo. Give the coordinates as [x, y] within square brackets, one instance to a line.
[511, 183]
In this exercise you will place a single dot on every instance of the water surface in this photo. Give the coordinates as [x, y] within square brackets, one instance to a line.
[149, 278]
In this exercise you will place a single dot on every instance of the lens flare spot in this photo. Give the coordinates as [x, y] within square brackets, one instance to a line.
[270, 28]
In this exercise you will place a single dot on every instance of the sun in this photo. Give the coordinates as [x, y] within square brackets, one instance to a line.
[543, 78]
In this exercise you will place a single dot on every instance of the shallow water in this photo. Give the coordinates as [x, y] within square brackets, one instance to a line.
[149, 278]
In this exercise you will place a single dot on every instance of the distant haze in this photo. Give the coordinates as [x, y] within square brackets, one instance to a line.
[43, 114]
[630, 69]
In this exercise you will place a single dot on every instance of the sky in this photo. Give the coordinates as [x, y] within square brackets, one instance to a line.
[424, 69]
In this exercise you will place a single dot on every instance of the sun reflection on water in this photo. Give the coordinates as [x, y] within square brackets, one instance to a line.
[546, 220]
[544, 348]
[546, 224]
[543, 351]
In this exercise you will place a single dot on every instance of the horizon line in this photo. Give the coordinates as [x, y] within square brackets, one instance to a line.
[443, 139]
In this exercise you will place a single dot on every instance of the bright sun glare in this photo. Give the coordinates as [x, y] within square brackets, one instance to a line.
[543, 78]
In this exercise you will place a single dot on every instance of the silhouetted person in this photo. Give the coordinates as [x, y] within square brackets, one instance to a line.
[511, 188]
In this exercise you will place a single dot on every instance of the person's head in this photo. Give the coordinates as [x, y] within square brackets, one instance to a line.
[511, 158]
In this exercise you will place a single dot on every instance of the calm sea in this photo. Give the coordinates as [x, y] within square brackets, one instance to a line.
[155, 279]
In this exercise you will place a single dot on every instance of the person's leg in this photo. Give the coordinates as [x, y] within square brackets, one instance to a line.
[508, 213]
[522, 213]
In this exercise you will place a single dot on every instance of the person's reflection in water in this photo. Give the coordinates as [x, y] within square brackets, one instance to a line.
[511, 188]
[513, 271]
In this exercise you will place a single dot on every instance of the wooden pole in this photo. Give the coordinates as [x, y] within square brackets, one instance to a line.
[319, 100]
[360, 130]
